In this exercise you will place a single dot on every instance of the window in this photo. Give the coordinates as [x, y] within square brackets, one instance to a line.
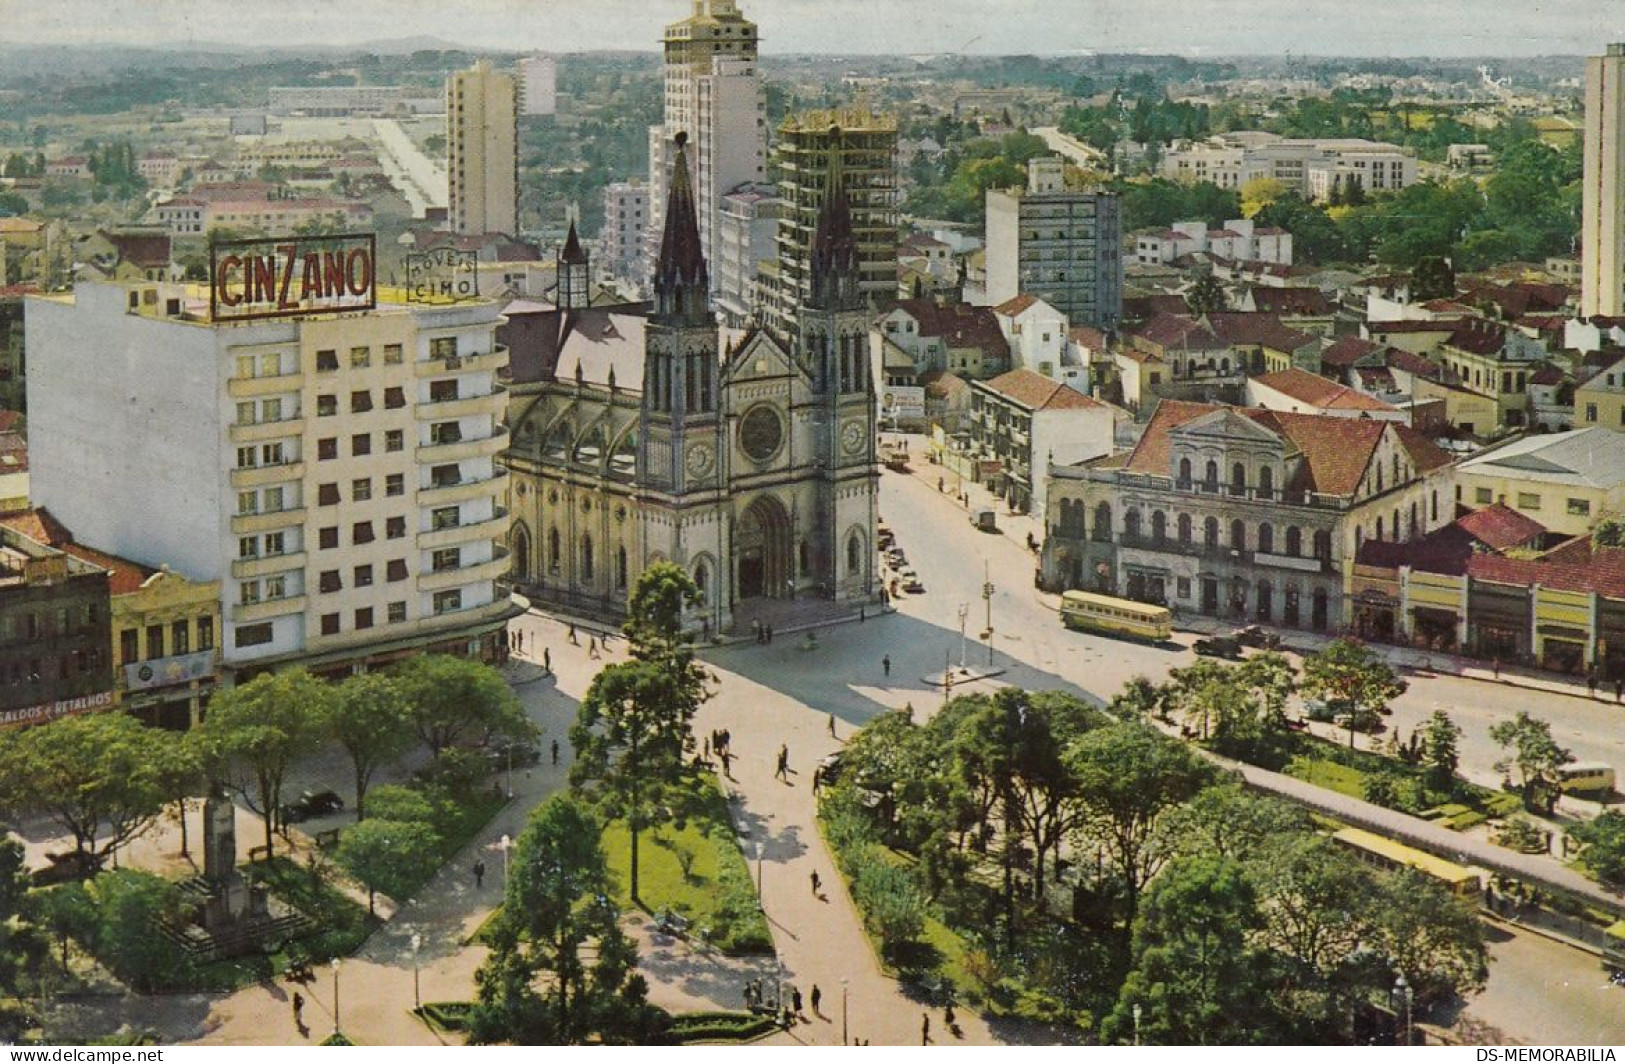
[327, 405]
[363, 617]
[330, 582]
[272, 454]
[330, 624]
[1294, 541]
[395, 528]
[443, 347]
[275, 543]
[396, 570]
[1528, 501]
[447, 517]
[361, 532]
[247, 457]
[248, 547]
[327, 495]
[327, 361]
[248, 502]
[392, 354]
[447, 558]
[246, 413]
[360, 402]
[363, 576]
[248, 593]
[395, 440]
[361, 443]
[360, 357]
[448, 601]
[443, 391]
[205, 633]
[273, 500]
[271, 410]
[1266, 538]
[395, 484]
[276, 587]
[1483, 496]
[328, 449]
[394, 398]
[1182, 587]
[328, 538]
[444, 476]
[129, 646]
[1579, 507]
[245, 367]
[253, 635]
[361, 489]
[445, 432]
[397, 612]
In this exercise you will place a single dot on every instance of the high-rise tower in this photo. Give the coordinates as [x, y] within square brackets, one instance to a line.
[482, 138]
[1602, 240]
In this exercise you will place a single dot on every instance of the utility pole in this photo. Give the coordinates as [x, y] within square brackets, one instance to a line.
[987, 599]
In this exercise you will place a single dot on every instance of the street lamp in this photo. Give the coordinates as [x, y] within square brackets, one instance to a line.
[335, 996]
[843, 1010]
[964, 611]
[1136, 1023]
[987, 598]
[759, 906]
[505, 845]
[510, 772]
[1402, 989]
[417, 996]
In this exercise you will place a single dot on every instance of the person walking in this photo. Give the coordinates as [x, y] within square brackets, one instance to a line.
[832, 725]
[783, 771]
[815, 882]
[815, 998]
[795, 1001]
[925, 1028]
[555, 751]
[885, 664]
[592, 647]
[727, 763]
[770, 634]
[479, 874]
[299, 1010]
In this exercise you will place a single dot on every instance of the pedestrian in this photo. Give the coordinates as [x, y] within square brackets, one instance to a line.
[479, 874]
[795, 1000]
[1497, 664]
[1591, 683]
[547, 661]
[592, 647]
[832, 725]
[783, 771]
[555, 751]
[756, 629]
[925, 1028]
[817, 779]
[815, 882]
[727, 740]
[573, 640]
[727, 762]
[706, 755]
[948, 1016]
[1619, 689]
[814, 998]
[299, 1010]
[885, 663]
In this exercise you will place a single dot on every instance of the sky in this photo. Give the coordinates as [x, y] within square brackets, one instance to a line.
[1190, 27]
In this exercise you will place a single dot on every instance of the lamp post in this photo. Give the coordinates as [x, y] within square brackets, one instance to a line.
[335, 996]
[417, 996]
[964, 611]
[759, 905]
[505, 845]
[1136, 1011]
[510, 772]
[987, 599]
[1402, 990]
[843, 1011]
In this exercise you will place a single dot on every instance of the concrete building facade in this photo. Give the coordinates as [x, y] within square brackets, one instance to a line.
[1058, 244]
[482, 149]
[538, 85]
[1602, 200]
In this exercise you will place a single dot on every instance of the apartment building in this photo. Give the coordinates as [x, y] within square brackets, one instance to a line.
[1310, 167]
[1058, 244]
[1602, 201]
[538, 85]
[332, 467]
[482, 147]
[54, 624]
[747, 222]
[626, 217]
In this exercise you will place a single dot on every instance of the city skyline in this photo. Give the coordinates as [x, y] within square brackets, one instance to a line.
[1463, 28]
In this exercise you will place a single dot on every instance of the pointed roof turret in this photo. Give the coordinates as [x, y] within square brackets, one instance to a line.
[682, 284]
[572, 254]
[834, 266]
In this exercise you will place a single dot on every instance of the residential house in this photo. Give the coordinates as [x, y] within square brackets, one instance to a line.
[1564, 480]
[1300, 392]
[1306, 309]
[954, 337]
[1025, 421]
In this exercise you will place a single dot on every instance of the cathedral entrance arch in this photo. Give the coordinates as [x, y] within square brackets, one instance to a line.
[762, 547]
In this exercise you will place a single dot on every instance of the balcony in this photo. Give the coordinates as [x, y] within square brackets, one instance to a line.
[486, 363]
[472, 573]
[261, 431]
[264, 611]
[492, 402]
[243, 524]
[494, 529]
[464, 490]
[259, 476]
[456, 451]
[249, 568]
[1287, 561]
[253, 387]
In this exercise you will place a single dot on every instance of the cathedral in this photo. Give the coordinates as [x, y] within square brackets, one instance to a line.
[639, 435]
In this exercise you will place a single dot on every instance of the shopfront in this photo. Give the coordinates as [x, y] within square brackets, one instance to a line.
[1498, 621]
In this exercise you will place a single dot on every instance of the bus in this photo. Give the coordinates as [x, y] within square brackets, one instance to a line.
[1086, 611]
[1586, 778]
[1465, 883]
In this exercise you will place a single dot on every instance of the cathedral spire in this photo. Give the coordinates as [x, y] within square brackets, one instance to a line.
[574, 273]
[834, 266]
[572, 253]
[682, 285]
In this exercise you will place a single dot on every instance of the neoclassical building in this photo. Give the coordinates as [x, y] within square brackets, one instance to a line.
[639, 436]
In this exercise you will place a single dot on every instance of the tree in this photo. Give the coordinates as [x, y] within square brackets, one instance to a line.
[255, 732]
[454, 699]
[67, 913]
[1533, 754]
[1129, 778]
[1230, 821]
[13, 908]
[1602, 842]
[1433, 278]
[96, 776]
[372, 719]
[556, 914]
[1259, 193]
[1434, 940]
[634, 725]
[1196, 977]
[1349, 675]
[181, 777]
[388, 855]
[1439, 739]
[1206, 296]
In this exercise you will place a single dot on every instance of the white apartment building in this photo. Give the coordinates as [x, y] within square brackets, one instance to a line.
[482, 137]
[336, 471]
[1602, 234]
[1058, 244]
[1239, 241]
[626, 217]
[538, 85]
[1309, 167]
[714, 95]
[747, 222]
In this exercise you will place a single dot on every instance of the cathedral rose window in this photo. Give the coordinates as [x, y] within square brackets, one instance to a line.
[761, 432]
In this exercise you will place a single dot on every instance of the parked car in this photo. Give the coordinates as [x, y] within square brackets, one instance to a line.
[985, 519]
[912, 585]
[1219, 646]
[311, 804]
[1254, 636]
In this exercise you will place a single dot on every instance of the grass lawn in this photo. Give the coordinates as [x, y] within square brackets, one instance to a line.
[1327, 774]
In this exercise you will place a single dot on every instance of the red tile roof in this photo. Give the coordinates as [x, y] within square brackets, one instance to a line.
[1300, 301]
[1038, 392]
[1089, 336]
[1318, 391]
[1500, 527]
[39, 525]
[1180, 332]
[1348, 350]
[959, 324]
[1013, 307]
[1408, 362]
[1258, 327]
[1140, 308]
[1603, 571]
[1477, 336]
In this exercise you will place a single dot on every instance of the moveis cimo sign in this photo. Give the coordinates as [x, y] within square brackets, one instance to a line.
[281, 277]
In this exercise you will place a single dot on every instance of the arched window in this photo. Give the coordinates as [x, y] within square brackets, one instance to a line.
[1411, 528]
[1397, 536]
[1266, 481]
[1238, 534]
[804, 561]
[1266, 538]
[553, 553]
[854, 554]
[1433, 514]
[1359, 538]
[1379, 530]
[1210, 532]
[1294, 541]
[1159, 526]
[1266, 600]
[1238, 479]
[702, 581]
[1210, 476]
[1379, 483]
[1103, 522]
[1318, 608]
[620, 568]
[1184, 528]
[586, 559]
[521, 554]
[1323, 545]
[1131, 523]
[1184, 472]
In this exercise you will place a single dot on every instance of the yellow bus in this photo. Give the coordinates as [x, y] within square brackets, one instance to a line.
[1464, 883]
[1586, 778]
[1087, 611]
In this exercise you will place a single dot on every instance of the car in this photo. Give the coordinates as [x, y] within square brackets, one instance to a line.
[829, 767]
[1254, 636]
[311, 804]
[913, 586]
[1219, 646]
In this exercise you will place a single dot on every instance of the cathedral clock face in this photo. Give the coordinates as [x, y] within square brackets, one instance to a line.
[852, 437]
[761, 432]
[699, 459]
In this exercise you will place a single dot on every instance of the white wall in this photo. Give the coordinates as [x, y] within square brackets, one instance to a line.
[1066, 437]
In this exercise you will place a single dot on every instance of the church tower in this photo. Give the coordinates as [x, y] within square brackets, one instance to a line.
[680, 371]
[574, 273]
